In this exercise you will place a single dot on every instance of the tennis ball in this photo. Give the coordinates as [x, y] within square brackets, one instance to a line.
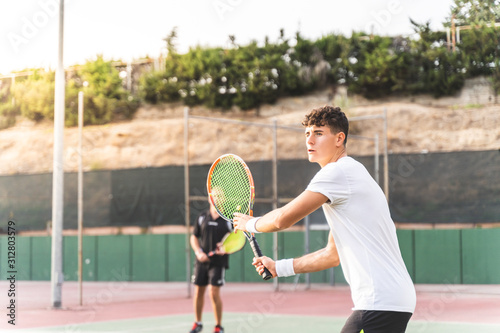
[238, 207]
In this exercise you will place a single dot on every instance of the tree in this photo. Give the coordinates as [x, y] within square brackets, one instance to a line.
[8, 108]
[105, 97]
[434, 69]
[170, 40]
[475, 12]
[34, 95]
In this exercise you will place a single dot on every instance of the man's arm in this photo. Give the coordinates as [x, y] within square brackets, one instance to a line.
[286, 216]
[322, 259]
[198, 251]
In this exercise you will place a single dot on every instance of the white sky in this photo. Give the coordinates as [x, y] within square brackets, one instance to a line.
[130, 29]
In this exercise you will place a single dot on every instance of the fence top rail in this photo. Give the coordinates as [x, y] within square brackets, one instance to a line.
[297, 129]
[366, 117]
[353, 136]
[248, 123]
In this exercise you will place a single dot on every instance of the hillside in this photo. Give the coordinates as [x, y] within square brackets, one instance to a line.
[155, 136]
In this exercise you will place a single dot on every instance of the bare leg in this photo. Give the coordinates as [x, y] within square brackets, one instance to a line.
[198, 300]
[216, 304]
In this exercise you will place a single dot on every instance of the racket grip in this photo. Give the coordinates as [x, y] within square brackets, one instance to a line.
[258, 253]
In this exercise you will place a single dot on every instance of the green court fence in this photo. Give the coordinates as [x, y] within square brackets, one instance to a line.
[463, 256]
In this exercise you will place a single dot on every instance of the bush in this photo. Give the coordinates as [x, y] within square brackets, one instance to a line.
[105, 99]
[34, 96]
[250, 75]
[8, 113]
[8, 110]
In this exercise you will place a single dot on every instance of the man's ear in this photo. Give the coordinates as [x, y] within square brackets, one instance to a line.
[340, 138]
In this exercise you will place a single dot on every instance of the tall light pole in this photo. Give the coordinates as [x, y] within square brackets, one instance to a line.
[57, 276]
[80, 193]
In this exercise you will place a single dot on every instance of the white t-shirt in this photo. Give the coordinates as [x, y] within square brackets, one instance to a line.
[365, 235]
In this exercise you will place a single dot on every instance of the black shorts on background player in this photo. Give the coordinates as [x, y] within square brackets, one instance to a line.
[205, 274]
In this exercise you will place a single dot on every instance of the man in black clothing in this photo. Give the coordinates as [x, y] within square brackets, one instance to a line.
[209, 268]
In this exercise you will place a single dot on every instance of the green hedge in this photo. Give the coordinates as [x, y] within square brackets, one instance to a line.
[250, 75]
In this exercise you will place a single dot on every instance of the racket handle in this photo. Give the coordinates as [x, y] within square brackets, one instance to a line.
[258, 253]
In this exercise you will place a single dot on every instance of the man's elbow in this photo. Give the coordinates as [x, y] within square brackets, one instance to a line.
[335, 262]
[282, 222]
[330, 262]
[333, 256]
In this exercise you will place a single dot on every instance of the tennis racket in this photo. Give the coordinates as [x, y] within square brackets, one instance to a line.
[231, 243]
[231, 189]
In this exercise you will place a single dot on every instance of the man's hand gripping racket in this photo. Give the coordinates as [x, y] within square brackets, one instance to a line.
[231, 190]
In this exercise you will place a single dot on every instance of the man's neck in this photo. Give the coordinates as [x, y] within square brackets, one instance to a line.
[336, 157]
[213, 213]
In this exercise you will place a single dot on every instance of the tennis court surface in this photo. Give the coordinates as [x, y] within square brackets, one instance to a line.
[118, 306]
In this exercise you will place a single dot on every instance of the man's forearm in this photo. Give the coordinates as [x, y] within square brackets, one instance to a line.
[195, 244]
[315, 261]
[272, 222]
[294, 211]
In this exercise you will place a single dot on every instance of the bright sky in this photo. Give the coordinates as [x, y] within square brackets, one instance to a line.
[130, 29]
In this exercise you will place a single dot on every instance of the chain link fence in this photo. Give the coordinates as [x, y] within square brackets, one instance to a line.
[449, 187]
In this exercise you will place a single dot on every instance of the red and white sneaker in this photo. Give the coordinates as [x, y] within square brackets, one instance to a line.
[196, 328]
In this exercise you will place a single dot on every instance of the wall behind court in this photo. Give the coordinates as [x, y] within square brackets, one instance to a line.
[462, 256]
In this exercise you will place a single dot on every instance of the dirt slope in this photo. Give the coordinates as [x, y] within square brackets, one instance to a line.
[155, 136]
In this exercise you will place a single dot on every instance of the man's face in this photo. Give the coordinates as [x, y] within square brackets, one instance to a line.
[322, 145]
[217, 196]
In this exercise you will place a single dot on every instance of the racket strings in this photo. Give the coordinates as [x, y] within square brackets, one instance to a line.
[230, 187]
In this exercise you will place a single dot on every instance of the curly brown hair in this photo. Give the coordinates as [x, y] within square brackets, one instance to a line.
[329, 116]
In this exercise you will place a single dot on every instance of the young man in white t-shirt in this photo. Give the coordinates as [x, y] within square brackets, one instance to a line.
[363, 235]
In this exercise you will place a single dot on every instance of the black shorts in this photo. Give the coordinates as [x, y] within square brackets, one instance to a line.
[377, 322]
[205, 274]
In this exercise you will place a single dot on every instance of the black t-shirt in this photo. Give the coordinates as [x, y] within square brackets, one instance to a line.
[209, 233]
